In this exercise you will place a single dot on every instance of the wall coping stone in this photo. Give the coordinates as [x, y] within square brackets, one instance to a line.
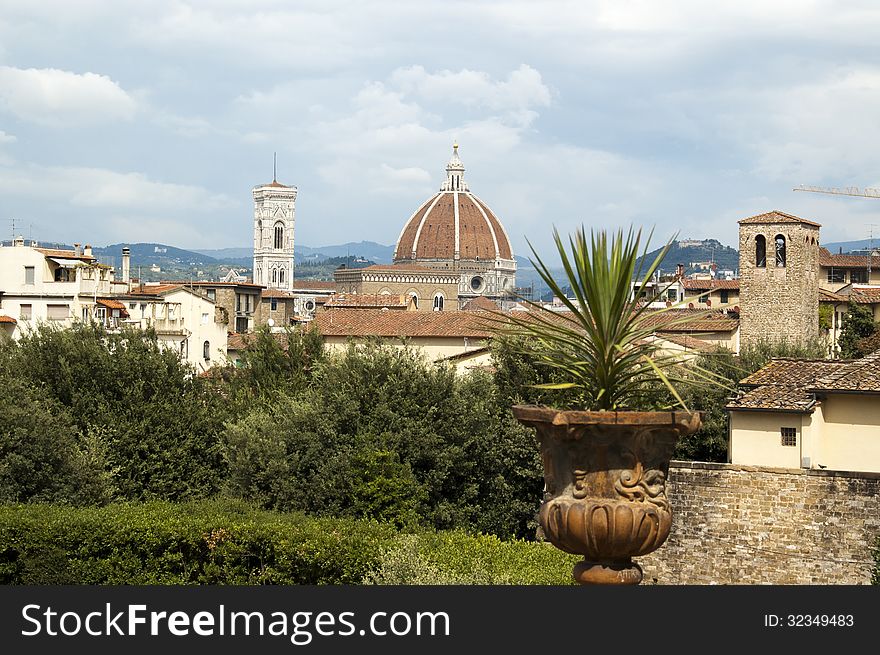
[820, 473]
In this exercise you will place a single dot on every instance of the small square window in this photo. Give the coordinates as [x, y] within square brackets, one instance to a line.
[789, 436]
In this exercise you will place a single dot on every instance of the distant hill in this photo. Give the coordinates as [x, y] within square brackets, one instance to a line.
[849, 246]
[696, 251]
[367, 249]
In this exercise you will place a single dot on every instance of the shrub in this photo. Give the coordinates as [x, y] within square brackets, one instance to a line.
[230, 542]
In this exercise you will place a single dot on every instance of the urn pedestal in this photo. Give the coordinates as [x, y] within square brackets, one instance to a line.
[605, 485]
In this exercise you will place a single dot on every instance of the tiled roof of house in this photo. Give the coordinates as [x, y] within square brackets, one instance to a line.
[711, 285]
[776, 216]
[7, 319]
[830, 296]
[783, 385]
[829, 260]
[691, 320]
[481, 303]
[389, 323]
[688, 342]
[65, 254]
[366, 300]
[110, 303]
[865, 295]
[861, 375]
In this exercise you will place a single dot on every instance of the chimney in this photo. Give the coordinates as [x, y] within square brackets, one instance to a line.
[87, 251]
[76, 250]
[126, 266]
[679, 271]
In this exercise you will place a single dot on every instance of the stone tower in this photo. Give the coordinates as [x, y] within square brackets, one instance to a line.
[779, 279]
[274, 216]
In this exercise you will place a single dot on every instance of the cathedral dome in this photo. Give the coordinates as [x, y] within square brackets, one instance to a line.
[453, 225]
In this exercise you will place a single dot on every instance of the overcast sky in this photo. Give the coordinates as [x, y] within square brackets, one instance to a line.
[152, 121]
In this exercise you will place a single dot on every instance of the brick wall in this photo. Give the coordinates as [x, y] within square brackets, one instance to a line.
[753, 525]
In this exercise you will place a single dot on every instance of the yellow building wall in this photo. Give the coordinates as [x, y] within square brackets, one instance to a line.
[756, 439]
[850, 433]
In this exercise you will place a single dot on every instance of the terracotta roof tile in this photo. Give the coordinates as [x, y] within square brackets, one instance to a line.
[865, 295]
[688, 342]
[830, 296]
[691, 320]
[112, 304]
[64, 254]
[829, 260]
[707, 285]
[390, 323]
[453, 222]
[861, 375]
[481, 303]
[783, 385]
[7, 319]
[776, 216]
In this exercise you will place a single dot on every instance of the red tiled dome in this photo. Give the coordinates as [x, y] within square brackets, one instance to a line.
[453, 224]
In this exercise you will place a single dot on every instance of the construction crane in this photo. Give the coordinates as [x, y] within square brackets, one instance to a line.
[866, 192]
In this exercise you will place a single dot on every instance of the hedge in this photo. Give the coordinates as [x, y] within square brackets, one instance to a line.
[230, 542]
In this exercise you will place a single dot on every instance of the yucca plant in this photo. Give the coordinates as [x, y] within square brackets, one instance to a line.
[602, 347]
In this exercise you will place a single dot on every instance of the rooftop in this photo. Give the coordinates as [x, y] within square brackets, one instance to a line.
[344, 322]
[829, 260]
[784, 385]
[776, 216]
[861, 375]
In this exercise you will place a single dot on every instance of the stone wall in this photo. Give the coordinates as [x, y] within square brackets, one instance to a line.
[753, 525]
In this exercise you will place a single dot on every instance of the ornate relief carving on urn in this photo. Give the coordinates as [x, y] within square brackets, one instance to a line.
[605, 485]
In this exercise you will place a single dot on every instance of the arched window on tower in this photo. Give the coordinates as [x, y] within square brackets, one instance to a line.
[438, 302]
[279, 236]
[206, 351]
[281, 276]
[274, 276]
[780, 250]
[760, 251]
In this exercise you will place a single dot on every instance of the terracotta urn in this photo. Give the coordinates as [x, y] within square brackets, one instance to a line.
[605, 485]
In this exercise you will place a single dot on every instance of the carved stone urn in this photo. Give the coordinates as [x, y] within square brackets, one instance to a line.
[605, 485]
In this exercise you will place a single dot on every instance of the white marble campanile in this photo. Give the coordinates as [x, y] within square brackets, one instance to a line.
[274, 217]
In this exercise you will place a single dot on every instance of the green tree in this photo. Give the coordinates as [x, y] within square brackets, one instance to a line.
[276, 361]
[859, 323]
[158, 423]
[42, 455]
[381, 433]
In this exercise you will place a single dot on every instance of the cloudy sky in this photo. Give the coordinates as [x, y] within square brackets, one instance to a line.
[152, 121]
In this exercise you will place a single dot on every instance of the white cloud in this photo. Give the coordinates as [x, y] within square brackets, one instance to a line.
[6, 138]
[58, 98]
[97, 204]
[522, 89]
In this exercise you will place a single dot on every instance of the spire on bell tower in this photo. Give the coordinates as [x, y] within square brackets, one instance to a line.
[454, 173]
